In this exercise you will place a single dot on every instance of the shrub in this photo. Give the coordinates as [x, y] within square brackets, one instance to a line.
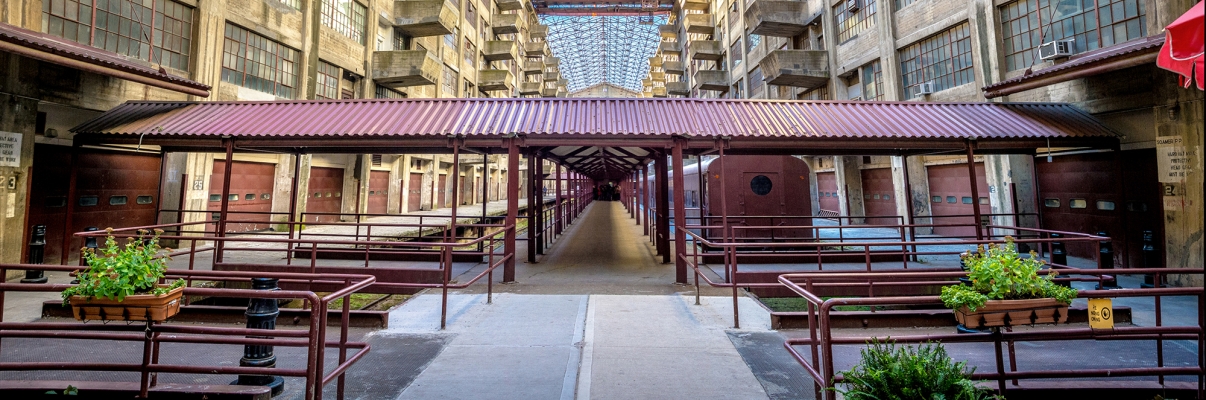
[120, 271]
[925, 372]
[1000, 273]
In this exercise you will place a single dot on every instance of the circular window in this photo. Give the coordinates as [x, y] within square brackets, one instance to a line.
[761, 185]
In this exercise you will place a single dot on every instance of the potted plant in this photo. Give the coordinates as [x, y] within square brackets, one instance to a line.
[122, 282]
[887, 371]
[1006, 289]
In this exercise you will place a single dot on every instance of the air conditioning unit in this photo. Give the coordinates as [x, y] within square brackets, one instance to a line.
[1056, 49]
[853, 5]
[925, 88]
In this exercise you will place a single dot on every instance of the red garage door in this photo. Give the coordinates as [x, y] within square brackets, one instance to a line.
[950, 196]
[250, 194]
[1079, 193]
[441, 192]
[878, 200]
[326, 194]
[828, 191]
[113, 189]
[414, 194]
[378, 200]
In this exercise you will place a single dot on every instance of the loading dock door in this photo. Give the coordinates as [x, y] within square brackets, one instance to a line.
[326, 194]
[250, 194]
[414, 196]
[441, 192]
[878, 196]
[950, 196]
[378, 199]
[828, 192]
[113, 189]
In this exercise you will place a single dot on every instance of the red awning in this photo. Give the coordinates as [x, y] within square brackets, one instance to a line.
[56, 50]
[1184, 47]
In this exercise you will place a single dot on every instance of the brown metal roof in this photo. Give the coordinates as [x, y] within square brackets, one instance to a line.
[1126, 55]
[598, 118]
[57, 50]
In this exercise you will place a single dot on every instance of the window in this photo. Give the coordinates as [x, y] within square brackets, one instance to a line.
[328, 81]
[55, 202]
[1136, 206]
[296, 4]
[752, 41]
[233, 197]
[159, 31]
[735, 54]
[738, 91]
[903, 3]
[950, 199]
[215, 197]
[967, 200]
[144, 200]
[253, 61]
[118, 200]
[470, 53]
[265, 196]
[382, 92]
[936, 199]
[89, 201]
[1027, 24]
[249, 197]
[850, 24]
[346, 17]
[756, 84]
[449, 81]
[983, 200]
[821, 93]
[469, 92]
[761, 185]
[1077, 203]
[470, 13]
[866, 83]
[944, 59]
[401, 42]
[450, 39]
[1105, 205]
[1051, 203]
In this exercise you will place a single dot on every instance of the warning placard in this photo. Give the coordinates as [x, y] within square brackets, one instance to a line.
[10, 149]
[1101, 313]
[1174, 159]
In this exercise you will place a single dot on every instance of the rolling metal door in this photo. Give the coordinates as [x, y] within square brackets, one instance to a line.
[326, 194]
[414, 196]
[113, 189]
[828, 191]
[1079, 193]
[250, 194]
[878, 196]
[378, 196]
[950, 196]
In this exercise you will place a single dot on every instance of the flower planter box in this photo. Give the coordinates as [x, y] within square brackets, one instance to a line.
[139, 307]
[1013, 312]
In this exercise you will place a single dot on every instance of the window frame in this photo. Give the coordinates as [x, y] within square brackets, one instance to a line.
[169, 23]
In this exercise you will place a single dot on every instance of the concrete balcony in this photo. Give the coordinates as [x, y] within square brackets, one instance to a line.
[548, 92]
[562, 83]
[700, 23]
[659, 91]
[509, 5]
[506, 24]
[678, 88]
[700, 5]
[500, 50]
[657, 76]
[529, 88]
[674, 67]
[711, 80]
[562, 92]
[538, 31]
[552, 61]
[655, 62]
[495, 79]
[807, 69]
[533, 67]
[777, 18]
[669, 48]
[535, 49]
[423, 18]
[551, 74]
[402, 68]
[668, 31]
[708, 50]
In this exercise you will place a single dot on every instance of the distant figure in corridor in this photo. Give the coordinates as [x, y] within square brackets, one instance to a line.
[606, 192]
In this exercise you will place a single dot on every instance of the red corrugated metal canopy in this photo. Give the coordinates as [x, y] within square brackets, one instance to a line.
[754, 125]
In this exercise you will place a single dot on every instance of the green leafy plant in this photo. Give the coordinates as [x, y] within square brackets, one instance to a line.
[890, 372]
[117, 271]
[1000, 273]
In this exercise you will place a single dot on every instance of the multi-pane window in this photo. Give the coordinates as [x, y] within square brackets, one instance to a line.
[254, 61]
[903, 3]
[382, 92]
[873, 81]
[470, 13]
[852, 21]
[734, 12]
[450, 39]
[401, 42]
[1027, 24]
[738, 92]
[821, 93]
[944, 59]
[470, 54]
[735, 54]
[756, 84]
[449, 82]
[328, 81]
[752, 41]
[159, 31]
[346, 17]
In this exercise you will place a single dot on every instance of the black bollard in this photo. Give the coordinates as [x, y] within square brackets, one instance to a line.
[89, 243]
[1105, 259]
[261, 314]
[1059, 255]
[1150, 259]
[37, 250]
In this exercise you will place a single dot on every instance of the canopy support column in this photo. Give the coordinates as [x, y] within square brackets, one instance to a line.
[680, 213]
[512, 209]
[975, 190]
[223, 215]
[532, 224]
[559, 220]
[539, 191]
[663, 206]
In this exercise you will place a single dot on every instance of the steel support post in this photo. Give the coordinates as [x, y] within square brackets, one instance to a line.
[975, 190]
[223, 214]
[663, 206]
[680, 212]
[532, 223]
[512, 209]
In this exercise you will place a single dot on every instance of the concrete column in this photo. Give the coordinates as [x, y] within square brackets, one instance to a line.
[427, 197]
[1011, 188]
[282, 188]
[814, 190]
[918, 189]
[303, 184]
[18, 114]
[199, 167]
[850, 187]
[398, 169]
[1182, 117]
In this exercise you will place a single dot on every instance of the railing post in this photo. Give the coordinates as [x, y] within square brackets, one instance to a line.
[261, 314]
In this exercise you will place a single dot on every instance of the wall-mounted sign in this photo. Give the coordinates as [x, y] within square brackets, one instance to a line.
[1101, 313]
[1174, 160]
[10, 149]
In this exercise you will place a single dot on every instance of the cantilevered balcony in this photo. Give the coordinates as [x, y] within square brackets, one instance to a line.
[500, 50]
[659, 91]
[700, 23]
[422, 18]
[657, 75]
[552, 61]
[538, 31]
[674, 67]
[530, 88]
[678, 88]
[535, 49]
[505, 24]
[777, 18]
[562, 83]
[548, 92]
[551, 74]
[655, 62]
[807, 69]
[562, 92]
[402, 68]
[708, 50]
[509, 5]
[699, 5]
[711, 80]
[669, 48]
[495, 79]
[668, 31]
[533, 67]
